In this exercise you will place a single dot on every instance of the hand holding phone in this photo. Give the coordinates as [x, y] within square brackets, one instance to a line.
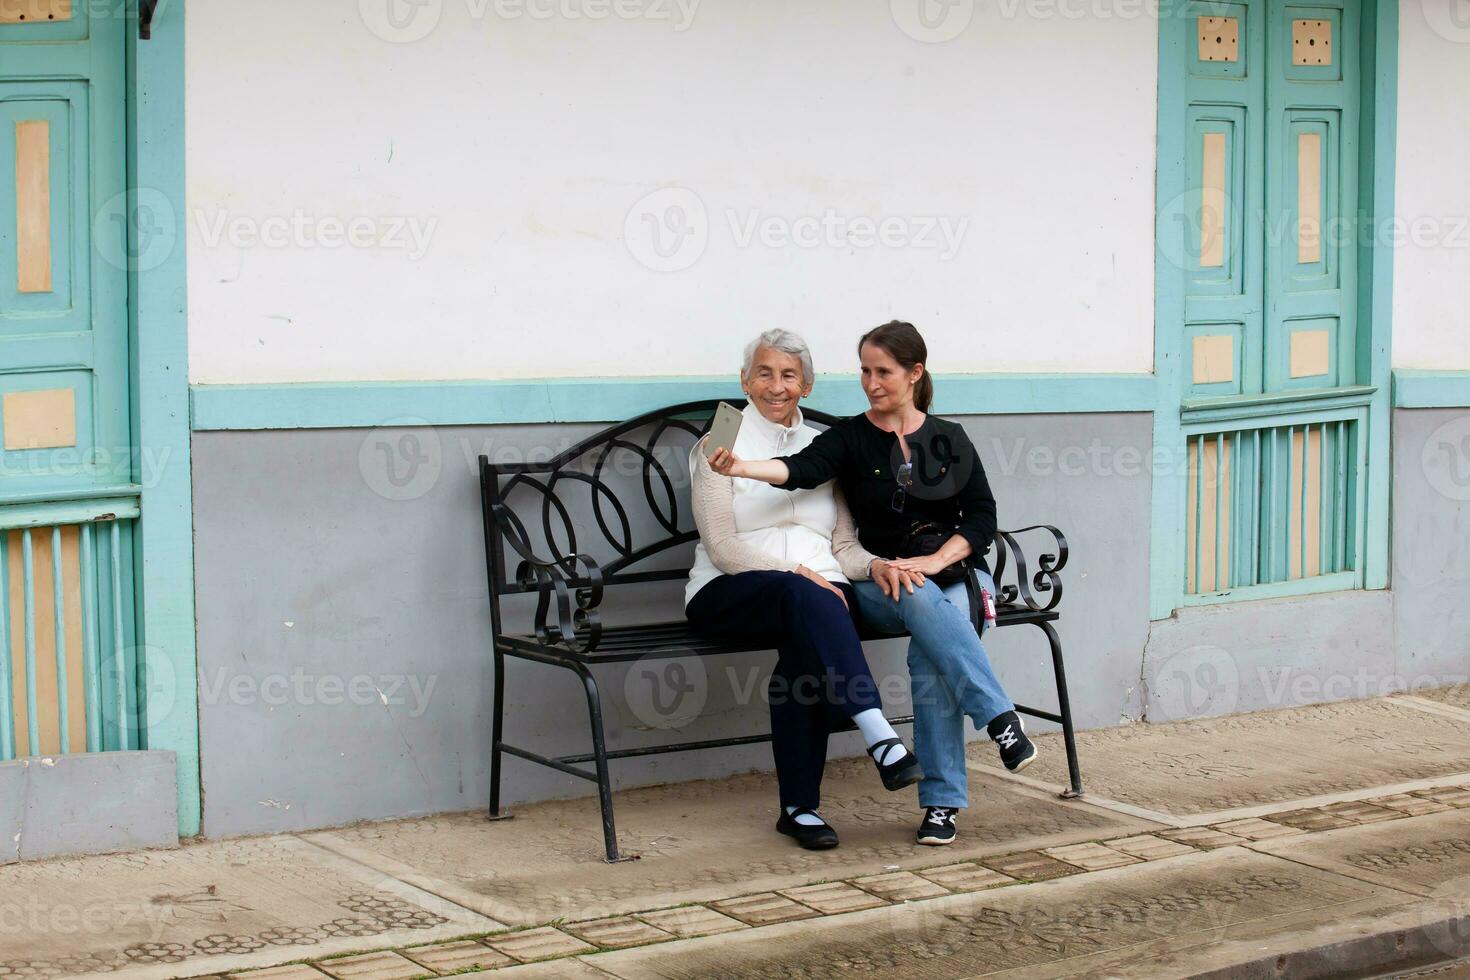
[723, 429]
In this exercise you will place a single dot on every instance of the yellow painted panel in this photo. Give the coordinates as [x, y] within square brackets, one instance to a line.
[1214, 359]
[33, 205]
[48, 716]
[1311, 353]
[1314, 502]
[1311, 42]
[1306, 463]
[44, 419]
[1219, 38]
[1212, 203]
[1214, 576]
[33, 11]
[1309, 198]
[1191, 518]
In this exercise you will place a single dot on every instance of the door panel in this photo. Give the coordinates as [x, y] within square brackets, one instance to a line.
[1312, 147]
[68, 494]
[1274, 486]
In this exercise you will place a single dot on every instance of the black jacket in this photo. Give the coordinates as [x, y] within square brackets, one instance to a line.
[948, 484]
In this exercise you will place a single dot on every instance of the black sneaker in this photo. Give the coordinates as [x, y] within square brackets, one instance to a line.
[813, 837]
[938, 826]
[1009, 733]
[896, 775]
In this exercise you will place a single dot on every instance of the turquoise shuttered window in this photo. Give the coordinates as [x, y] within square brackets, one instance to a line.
[1274, 508]
[68, 662]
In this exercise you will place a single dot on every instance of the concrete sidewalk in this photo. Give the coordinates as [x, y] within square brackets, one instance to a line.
[1305, 838]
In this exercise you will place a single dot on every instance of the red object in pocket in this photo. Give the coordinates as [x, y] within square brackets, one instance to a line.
[989, 604]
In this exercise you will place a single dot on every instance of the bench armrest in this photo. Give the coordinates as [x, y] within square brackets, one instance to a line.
[577, 591]
[1046, 579]
[574, 582]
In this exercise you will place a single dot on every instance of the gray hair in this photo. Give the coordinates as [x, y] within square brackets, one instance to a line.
[787, 343]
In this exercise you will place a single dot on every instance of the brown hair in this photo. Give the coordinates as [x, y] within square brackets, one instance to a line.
[902, 343]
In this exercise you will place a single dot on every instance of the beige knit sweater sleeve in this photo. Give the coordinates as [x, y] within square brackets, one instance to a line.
[853, 558]
[712, 498]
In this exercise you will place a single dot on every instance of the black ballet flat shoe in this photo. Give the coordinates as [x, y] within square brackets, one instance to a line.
[896, 775]
[813, 837]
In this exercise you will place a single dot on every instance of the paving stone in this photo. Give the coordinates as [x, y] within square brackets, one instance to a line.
[566, 968]
[1414, 806]
[1254, 828]
[224, 897]
[833, 897]
[1090, 857]
[1212, 765]
[966, 877]
[373, 966]
[1311, 820]
[1030, 866]
[538, 944]
[619, 932]
[1457, 796]
[1359, 812]
[1207, 838]
[453, 957]
[1149, 847]
[1163, 918]
[1427, 856]
[296, 971]
[900, 886]
[692, 920]
[764, 909]
[514, 872]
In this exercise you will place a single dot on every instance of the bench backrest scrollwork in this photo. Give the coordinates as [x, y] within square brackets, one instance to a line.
[629, 488]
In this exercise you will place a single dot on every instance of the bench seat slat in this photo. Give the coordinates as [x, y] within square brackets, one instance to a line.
[676, 639]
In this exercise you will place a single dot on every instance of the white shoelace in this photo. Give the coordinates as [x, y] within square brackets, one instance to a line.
[941, 815]
[1007, 738]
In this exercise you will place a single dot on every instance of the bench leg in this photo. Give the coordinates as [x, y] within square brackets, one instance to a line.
[497, 736]
[1064, 708]
[599, 750]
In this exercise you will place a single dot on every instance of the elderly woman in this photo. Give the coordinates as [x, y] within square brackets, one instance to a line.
[775, 566]
[918, 490]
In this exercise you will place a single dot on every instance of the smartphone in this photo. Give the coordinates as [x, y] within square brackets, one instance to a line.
[723, 429]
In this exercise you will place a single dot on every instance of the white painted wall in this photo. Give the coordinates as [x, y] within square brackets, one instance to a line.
[1431, 291]
[523, 142]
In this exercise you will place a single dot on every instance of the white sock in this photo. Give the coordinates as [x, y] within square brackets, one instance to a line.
[806, 819]
[875, 728]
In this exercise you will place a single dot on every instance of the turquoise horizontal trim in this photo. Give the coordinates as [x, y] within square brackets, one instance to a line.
[1278, 407]
[1431, 389]
[1335, 582]
[13, 516]
[369, 403]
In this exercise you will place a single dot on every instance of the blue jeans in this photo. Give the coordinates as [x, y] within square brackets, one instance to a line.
[949, 674]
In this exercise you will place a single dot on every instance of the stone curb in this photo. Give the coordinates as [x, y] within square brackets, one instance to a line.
[1391, 949]
[556, 940]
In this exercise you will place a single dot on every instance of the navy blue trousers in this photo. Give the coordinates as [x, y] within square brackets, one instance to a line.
[821, 678]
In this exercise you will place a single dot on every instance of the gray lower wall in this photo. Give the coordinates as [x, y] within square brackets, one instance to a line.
[1270, 653]
[1261, 655]
[1431, 545]
[343, 625]
[87, 803]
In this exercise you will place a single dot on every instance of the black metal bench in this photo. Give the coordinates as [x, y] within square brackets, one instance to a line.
[568, 583]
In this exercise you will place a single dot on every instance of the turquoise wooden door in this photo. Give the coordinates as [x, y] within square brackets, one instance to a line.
[1273, 405]
[68, 470]
[1312, 186]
